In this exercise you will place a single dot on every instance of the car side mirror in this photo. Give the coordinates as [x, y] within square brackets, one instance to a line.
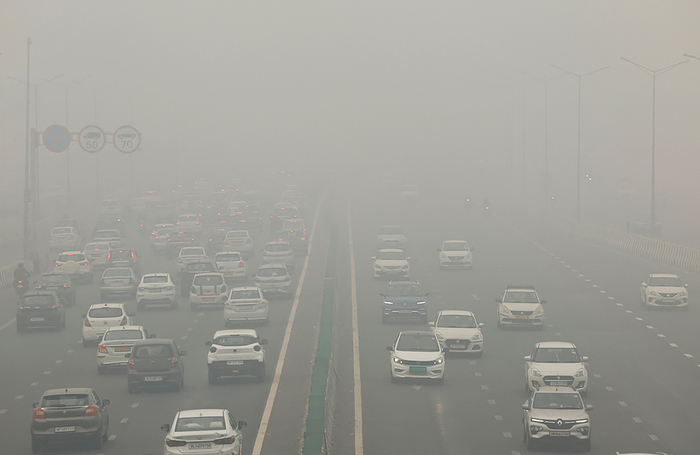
[208, 344]
[499, 300]
[382, 294]
[389, 348]
[685, 285]
[481, 324]
[165, 427]
[644, 285]
[263, 341]
[526, 406]
[431, 324]
[105, 402]
[374, 258]
[408, 258]
[542, 302]
[35, 405]
[242, 424]
[589, 407]
[584, 358]
[528, 358]
[153, 335]
[183, 353]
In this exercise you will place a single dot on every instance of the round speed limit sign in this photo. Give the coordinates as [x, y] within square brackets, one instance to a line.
[126, 139]
[92, 139]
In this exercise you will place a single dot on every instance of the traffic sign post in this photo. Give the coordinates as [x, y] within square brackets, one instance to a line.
[92, 139]
[56, 138]
[126, 139]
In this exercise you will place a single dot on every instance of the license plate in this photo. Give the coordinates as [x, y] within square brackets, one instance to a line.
[244, 307]
[199, 445]
[558, 383]
[457, 346]
[522, 317]
[559, 433]
[122, 349]
[668, 300]
[234, 362]
[153, 378]
[63, 429]
[404, 311]
[36, 319]
[154, 290]
[418, 369]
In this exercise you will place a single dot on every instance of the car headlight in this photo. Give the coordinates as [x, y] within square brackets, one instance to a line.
[536, 373]
[396, 359]
[532, 419]
[580, 373]
[477, 336]
[405, 266]
[438, 361]
[504, 311]
[142, 289]
[386, 302]
[538, 312]
[653, 292]
[579, 421]
[422, 302]
[683, 292]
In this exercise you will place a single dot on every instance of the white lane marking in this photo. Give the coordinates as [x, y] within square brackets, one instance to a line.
[629, 311]
[478, 375]
[499, 417]
[637, 419]
[112, 437]
[507, 434]
[11, 321]
[484, 387]
[597, 376]
[515, 452]
[70, 350]
[267, 412]
[47, 372]
[59, 361]
[189, 329]
[639, 319]
[475, 297]
[603, 292]
[587, 280]
[619, 304]
[184, 338]
[3, 411]
[594, 285]
[609, 389]
[124, 420]
[416, 387]
[196, 320]
[690, 356]
[650, 327]
[491, 401]
[562, 262]
[622, 403]
[200, 314]
[472, 362]
[135, 405]
[611, 298]
[33, 384]
[574, 270]
[673, 345]
[19, 397]
[661, 335]
[568, 266]
[581, 275]
[357, 380]
[653, 437]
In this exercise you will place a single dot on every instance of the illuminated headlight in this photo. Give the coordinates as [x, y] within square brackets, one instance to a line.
[388, 303]
[580, 373]
[532, 419]
[421, 302]
[477, 336]
[397, 360]
[438, 361]
[536, 373]
[538, 312]
[580, 421]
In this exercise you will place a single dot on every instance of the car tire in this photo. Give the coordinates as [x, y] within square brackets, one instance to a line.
[531, 443]
[97, 442]
[36, 445]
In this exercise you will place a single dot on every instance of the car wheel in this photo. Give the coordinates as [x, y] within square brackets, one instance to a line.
[97, 442]
[36, 445]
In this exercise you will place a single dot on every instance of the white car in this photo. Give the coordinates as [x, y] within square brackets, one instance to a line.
[556, 414]
[204, 431]
[391, 263]
[231, 265]
[236, 352]
[556, 363]
[246, 304]
[417, 354]
[239, 240]
[455, 253]
[208, 288]
[116, 343]
[76, 264]
[664, 290]
[189, 222]
[189, 254]
[156, 288]
[273, 279]
[520, 306]
[279, 252]
[64, 237]
[458, 331]
[100, 317]
[409, 192]
[159, 242]
[97, 253]
[391, 237]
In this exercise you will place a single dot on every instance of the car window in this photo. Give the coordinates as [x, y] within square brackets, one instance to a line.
[462, 321]
[232, 421]
[54, 278]
[405, 289]
[208, 280]
[270, 272]
[45, 301]
[65, 401]
[96, 398]
[521, 297]
[108, 312]
[153, 351]
[228, 257]
[546, 400]
[455, 246]
[245, 294]
[237, 340]
[62, 230]
[112, 335]
[77, 257]
[556, 355]
[155, 279]
[117, 272]
[418, 342]
[200, 423]
[120, 255]
[97, 247]
[672, 281]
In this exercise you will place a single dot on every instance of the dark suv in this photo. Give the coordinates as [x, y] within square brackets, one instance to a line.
[155, 363]
[124, 258]
[404, 299]
[57, 282]
[40, 309]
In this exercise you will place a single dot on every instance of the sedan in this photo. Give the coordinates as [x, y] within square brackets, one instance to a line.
[458, 331]
[246, 304]
[240, 241]
[207, 431]
[190, 254]
[392, 263]
[57, 282]
[231, 265]
[100, 317]
[120, 281]
[116, 342]
[62, 238]
[273, 279]
[417, 355]
[97, 253]
[391, 237]
[156, 288]
[664, 290]
[75, 264]
[455, 254]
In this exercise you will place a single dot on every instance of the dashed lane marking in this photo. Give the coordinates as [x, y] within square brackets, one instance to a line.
[12, 321]
[622, 403]
[70, 350]
[475, 297]
[494, 401]
[47, 372]
[124, 420]
[690, 356]
[135, 405]
[478, 375]
[3, 411]
[629, 311]
[484, 387]
[637, 419]
[594, 285]
[112, 437]
[19, 397]
[673, 345]
[653, 437]
[650, 327]
[33, 384]
[619, 304]
[661, 335]
[597, 376]
[499, 417]
[639, 319]
[59, 361]
[611, 298]
[609, 389]
[506, 434]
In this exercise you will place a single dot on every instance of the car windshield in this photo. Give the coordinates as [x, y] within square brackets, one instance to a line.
[245, 294]
[112, 335]
[556, 355]
[105, 312]
[54, 278]
[236, 234]
[670, 281]
[152, 351]
[106, 234]
[120, 255]
[271, 272]
[97, 247]
[462, 321]
[391, 230]
[77, 257]
[277, 247]
[455, 246]
[200, 423]
[391, 256]
[404, 289]
[39, 300]
[418, 342]
[546, 400]
[61, 230]
[208, 280]
[65, 401]
[228, 257]
[192, 252]
[155, 279]
[235, 340]
[201, 267]
[521, 297]
[117, 272]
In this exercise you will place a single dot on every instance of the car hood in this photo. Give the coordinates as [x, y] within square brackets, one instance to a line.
[521, 306]
[418, 355]
[667, 289]
[456, 333]
[561, 369]
[391, 262]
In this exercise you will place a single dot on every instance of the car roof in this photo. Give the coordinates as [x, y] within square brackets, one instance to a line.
[106, 305]
[125, 327]
[201, 412]
[236, 332]
[209, 273]
[416, 332]
[663, 275]
[277, 242]
[245, 288]
[67, 390]
[455, 312]
[555, 344]
[390, 250]
[404, 282]
[71, 252]
[519, 287]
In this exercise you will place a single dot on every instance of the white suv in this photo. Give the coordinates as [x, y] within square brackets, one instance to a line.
[102, 316]
[556, 363]
[520, 306]
[75, 264]
[208, 288]
[664, 290]
[236, 352]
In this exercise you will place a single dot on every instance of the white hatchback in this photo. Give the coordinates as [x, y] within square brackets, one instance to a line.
[556, 364]
[102, 316]
[75, 264]
[204, 431]
[64, 237]
[231, 265]
[664, 290]
[417, 355]
[156, 288]
[97, 253]
[208, 288]
[458, 331]
[246, 304]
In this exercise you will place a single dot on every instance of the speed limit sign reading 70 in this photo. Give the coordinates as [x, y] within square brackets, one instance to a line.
[126, 139]
[92, 139]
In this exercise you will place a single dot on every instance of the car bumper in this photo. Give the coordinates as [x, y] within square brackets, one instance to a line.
[156, 297]
[579, 384]
[455, 264]
[248, 368]
[112, 360]
[118, 290]
[92, 334]
[391, 273]
[81, 433]
[532, 322]
[661, 302]
[418, 371]
[467, 346]
[403, 312]
[166, 379]
[577, 432]
[45, 320]
[208, 299]
[255, 315]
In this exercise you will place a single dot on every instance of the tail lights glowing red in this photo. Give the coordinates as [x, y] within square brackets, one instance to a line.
[39, 413]
[102, 350]
[125, 320]
[86, 323]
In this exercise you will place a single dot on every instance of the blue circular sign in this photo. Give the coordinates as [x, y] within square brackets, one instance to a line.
[57, 138]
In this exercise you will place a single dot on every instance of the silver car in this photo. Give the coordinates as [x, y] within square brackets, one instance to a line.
[273, 279]
[211, 431]
[279, 252]
[120, 281]
[116, 343]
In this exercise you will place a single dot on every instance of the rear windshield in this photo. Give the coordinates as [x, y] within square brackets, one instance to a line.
[77, 257]
[97, 247]
[54, 278]
[208, 280]
[153, 350]
[272, 272]
[105, 312]
[155, 279]
[120, 255]
[118, 272]
[277, 247]
[64, 401]
[245, 294]
[200, 423]
[122, 335]
[61, 230]
[39, 300]
[236, 340]
[228, 257]
[192, 252]
[235, 234]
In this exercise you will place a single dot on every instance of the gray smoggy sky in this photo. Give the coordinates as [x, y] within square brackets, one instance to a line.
[366, 83]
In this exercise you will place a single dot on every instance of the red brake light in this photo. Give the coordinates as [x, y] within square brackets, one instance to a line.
[39, 413]
[86, 323]
[131, 363]
[19, 281]
[174, 442]
[173, 362]
[66, 285]
[109, 255]
[241, 264]
[124, 321]
[132, 255]
[225, 440]
[91, 411]
[56, 265]
[84, 263]
[102, 349]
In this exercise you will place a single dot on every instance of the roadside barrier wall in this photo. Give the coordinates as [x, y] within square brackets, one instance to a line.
[10, 237]
[7, 272]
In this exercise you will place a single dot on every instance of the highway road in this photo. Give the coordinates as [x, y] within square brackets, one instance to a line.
[643, 364]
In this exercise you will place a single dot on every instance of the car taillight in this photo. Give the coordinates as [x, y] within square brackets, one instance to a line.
[101, 349]
[39, 413]
[241, 264]
[91, 411]
[229, 440]
[102, 281]
[55, 305]
[174, 442]
[109, 255]
[86, 323]
[84, 263]
[38, 287]
[66, 285]
[124, 321]
[177, 224]
[130, 363]
[173, 362]
[55, 265]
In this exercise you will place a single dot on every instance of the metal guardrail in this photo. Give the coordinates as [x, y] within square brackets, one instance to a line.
[7, 272]
[10, 237]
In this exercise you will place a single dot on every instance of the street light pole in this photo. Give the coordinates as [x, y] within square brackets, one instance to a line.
[653, 74]
[27, 198]
[579, 77]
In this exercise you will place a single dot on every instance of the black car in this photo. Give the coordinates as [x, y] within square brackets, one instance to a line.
[193, 268]
[124, 258]
[57, 282]
[215, 244]
[40, 309]
[155, 363]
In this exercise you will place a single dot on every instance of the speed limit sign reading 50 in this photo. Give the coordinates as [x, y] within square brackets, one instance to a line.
[126, 139]
[92, 139]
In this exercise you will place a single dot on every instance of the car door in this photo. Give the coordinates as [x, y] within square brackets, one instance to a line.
[104, 416]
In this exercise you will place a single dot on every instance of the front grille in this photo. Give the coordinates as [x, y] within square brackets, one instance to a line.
[549, 379]
[667, 295]
[521, 313]
[455, 258]
[418, 362]
[554, 424]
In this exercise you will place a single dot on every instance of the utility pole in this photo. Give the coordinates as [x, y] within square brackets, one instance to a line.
[27, 196]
